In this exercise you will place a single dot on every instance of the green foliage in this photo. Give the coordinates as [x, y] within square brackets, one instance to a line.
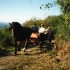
[65, 5]
[1, 35]
[67, 18]
[58, 24]
[65, 8]
[5, 41]
[54, 21]
[31, 22]
[5, 38]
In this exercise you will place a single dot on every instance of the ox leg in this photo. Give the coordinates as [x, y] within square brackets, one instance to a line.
[15, 47]
[25, 46]
[19, 43]
[40, 45]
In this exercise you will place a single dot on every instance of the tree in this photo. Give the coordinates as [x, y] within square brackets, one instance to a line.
[64, 5]
[33, 21]
[65, 8]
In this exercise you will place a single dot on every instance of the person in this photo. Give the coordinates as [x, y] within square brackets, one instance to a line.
[41, 33]
[41, 29]
[34, 28]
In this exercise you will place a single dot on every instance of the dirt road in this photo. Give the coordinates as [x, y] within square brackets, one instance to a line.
[32, 59]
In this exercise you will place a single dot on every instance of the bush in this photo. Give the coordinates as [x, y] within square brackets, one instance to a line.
[5, 38]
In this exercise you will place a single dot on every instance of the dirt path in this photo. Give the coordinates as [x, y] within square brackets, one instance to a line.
[32, 59]
[22, 59]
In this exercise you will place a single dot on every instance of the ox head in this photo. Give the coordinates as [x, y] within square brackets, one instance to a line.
[14, 25]
[11, 26]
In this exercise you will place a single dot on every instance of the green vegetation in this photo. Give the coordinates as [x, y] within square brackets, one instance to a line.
[33, 21]
[5, 40]
[65, 5]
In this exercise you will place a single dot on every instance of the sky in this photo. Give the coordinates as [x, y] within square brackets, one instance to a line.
[24, 10]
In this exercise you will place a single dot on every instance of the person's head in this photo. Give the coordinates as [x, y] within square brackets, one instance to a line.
[42, 25]
[35, 25]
